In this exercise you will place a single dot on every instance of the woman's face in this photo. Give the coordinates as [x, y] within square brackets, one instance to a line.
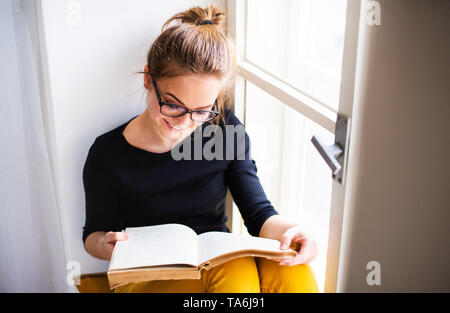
[193, 91]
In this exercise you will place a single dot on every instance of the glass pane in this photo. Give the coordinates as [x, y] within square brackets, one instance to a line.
[294, 176]
[301, 42]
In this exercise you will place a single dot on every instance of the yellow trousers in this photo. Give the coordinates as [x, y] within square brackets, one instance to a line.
[242, 275]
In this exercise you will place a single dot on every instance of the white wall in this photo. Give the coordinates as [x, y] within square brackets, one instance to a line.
[398, 206]
[92, 86]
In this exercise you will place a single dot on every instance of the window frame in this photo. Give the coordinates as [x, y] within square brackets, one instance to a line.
[305, 105]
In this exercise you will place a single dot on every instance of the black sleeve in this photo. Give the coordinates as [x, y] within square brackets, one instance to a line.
[245, 187]
[102, 207]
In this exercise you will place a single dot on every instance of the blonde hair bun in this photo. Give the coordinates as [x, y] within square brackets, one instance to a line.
[197, 16]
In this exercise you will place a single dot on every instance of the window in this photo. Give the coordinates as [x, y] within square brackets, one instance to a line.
[294, 176]
[301, 42]
[293, 65]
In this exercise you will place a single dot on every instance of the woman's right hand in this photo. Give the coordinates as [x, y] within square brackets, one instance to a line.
[109, 241]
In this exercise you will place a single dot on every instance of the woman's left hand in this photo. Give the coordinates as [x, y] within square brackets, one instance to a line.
[308, 247]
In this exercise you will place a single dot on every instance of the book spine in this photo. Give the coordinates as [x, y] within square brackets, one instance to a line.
[205, 266]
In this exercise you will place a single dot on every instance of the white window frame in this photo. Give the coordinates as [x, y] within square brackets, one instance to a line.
[305, 105]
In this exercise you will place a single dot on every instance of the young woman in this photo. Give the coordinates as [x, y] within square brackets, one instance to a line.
[131, 179]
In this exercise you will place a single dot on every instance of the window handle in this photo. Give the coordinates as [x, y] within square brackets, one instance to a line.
[329, 153]
[336, 154]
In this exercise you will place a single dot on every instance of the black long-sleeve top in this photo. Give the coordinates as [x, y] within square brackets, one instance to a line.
[126, 186]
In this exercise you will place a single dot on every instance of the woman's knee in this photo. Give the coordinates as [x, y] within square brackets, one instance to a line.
[162, 286]
[235, 276]
[281, 278]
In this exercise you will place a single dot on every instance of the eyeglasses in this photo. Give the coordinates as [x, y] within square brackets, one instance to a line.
[173, 110]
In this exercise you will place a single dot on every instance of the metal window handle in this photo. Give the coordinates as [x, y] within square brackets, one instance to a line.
[336, 154]
[329, 153]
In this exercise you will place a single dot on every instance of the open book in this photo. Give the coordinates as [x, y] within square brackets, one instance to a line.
[175, 251]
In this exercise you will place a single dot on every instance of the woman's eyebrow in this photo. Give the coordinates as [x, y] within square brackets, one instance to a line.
[173, 96]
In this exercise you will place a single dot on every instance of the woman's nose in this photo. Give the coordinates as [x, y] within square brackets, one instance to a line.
[183, 121]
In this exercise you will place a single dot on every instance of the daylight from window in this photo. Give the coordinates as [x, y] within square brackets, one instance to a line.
[301, 43]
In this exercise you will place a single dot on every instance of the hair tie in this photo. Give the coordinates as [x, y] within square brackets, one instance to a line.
[206, 22]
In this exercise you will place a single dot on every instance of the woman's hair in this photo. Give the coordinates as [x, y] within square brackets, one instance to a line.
[190, 47]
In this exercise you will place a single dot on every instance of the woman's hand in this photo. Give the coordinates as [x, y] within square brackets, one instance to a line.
[109, 241]
[308, 247]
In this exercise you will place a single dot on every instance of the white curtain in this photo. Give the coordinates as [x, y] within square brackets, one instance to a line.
[31, 242]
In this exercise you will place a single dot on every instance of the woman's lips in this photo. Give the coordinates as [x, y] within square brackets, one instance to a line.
[171, 126]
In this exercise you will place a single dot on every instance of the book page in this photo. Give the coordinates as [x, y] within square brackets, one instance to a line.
[156, 245]
[213, 244]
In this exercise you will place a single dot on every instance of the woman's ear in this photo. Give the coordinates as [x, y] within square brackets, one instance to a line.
[146, 78]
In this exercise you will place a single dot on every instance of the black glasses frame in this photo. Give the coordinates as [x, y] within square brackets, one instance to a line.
[214, 114]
